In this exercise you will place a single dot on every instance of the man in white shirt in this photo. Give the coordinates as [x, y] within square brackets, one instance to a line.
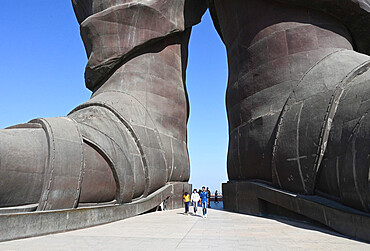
[194, 200]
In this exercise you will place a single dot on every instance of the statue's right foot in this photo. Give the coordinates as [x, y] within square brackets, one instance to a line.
[30, 170]
[133, 139]
[129, 139]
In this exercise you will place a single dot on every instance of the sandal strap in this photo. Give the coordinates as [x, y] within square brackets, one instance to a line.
[65, 164]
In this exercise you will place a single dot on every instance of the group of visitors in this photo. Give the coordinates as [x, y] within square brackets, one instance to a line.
[201, 198]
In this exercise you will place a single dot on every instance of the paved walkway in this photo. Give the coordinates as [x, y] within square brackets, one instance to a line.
[170, 230]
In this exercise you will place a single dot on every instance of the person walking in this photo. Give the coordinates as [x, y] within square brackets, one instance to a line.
[216, 197]
[209, 197]
[194, 200]
[187, 202]
[199, 191]
[204, 199]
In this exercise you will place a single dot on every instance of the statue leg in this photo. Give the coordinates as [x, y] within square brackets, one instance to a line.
[296, 100]
[129, 139]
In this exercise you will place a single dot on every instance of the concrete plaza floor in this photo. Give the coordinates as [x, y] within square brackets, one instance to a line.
[172, 230]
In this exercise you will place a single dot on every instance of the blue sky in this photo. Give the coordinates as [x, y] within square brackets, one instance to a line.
[42, 65]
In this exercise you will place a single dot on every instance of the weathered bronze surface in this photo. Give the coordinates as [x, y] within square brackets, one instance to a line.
[297, 96]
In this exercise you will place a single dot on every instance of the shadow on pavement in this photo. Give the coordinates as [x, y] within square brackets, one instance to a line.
[310, 225]
[192, 214]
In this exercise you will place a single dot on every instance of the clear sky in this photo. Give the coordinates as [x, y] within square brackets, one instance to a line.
[42, 64]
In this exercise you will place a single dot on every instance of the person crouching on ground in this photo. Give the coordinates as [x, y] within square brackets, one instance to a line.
[204, 199]
[187, 201]
[194, 200]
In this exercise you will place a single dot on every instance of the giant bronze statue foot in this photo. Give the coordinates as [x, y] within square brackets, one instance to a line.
[32, 158]
[297, 103]
[129, 139]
